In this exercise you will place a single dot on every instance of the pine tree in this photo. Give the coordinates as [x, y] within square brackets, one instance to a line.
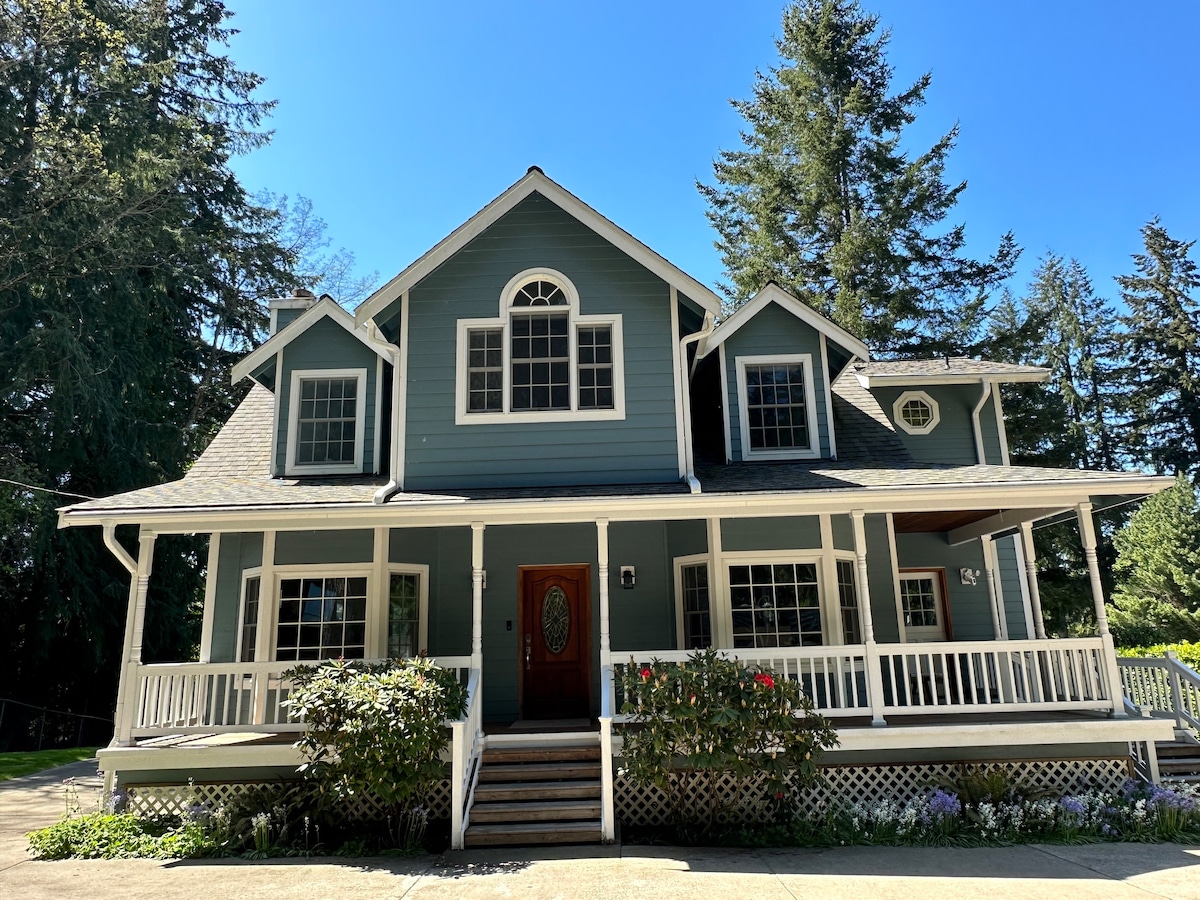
[823, 201]
[1163, 298]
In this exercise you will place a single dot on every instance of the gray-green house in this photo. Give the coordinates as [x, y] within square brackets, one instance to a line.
[539, 451]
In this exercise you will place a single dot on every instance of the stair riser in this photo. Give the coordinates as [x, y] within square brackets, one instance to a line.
[523, 840]
[585, 813]
[562, 754]
[534, 772]
[509, 794]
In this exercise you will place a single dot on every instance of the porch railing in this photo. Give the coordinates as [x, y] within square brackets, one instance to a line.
[1163, 684]
[919, 679]
[466, 745]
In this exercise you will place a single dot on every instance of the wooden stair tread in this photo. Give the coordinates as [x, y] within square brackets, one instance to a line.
[536, 810]
[535, 790]
[534, 833]
[541, 771]
[541, 754]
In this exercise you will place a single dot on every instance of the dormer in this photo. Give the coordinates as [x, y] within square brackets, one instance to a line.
[777, 359]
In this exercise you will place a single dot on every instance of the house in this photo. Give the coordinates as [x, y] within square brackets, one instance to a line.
[535, 455]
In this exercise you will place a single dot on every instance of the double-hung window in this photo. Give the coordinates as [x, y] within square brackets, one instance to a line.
[540, 359]
[327, 414]
[776, 407]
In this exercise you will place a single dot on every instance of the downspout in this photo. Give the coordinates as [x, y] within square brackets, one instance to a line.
[393, 354]
[115, 548]
[980, 452]
[685, 375]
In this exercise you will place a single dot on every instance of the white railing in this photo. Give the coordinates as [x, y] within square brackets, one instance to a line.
[1000, 676]
[944, 677]
[608, 824]
[211, 698]
[466, 747]
[1163, 684]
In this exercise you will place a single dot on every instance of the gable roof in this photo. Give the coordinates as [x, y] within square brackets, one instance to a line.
[535, 181]
[323, 308]
[773, 293]
[943, 370]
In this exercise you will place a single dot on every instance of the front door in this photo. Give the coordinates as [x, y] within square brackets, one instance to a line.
[923, 604]
[556, 642]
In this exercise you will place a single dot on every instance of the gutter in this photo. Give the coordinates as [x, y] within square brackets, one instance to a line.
[393, 353]
[710, 323]
[980, 452]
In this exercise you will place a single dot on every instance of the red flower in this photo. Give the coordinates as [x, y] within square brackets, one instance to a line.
[765, 679]
[779, 795]
[646, 673]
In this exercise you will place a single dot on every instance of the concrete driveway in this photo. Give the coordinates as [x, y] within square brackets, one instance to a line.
[1095, 872]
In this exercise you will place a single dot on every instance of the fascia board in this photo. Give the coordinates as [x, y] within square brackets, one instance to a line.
[772, 293]
[321, 309]
[456, 511]
[869, 381]
[535, 181]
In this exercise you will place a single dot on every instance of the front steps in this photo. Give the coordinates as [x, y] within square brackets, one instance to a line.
[1179, 760]
[537, 795]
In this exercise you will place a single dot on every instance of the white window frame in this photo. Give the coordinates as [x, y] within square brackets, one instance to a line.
[898, 417]
[360, 419]
[422, 572]
[247, 574]
[375, 603]
[680, 562]
[503, 321]
[810, 402]
[925, 633]
[827, 600]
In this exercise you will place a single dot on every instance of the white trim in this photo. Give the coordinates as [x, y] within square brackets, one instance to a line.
[323, 308]
[400, 398]
[803, 359]
[376, 450]
[725, 411]
[277, 404]
[536, 181]
[718, 594]
[678, 562]
[422, 572]
[869, 381]
[681, 429]
[247, 574]
[360, 417]
[826, 378]
[318, 570]
[934, 409]
[1001, 431]
[828, 603]
[773, 293]
[575, 321]
[376, 644]
[895, 560]
[210, 596]
[924, 633]
[268, 601]
[1023, 585]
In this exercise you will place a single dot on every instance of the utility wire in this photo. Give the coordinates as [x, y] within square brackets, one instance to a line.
[34, 487]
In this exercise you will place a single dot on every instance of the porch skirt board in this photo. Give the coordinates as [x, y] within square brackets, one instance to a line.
[746, 802]
[174, 799]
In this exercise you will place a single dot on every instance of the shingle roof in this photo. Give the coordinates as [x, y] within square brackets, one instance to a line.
[243, 446]
[863, 432]
[945, 366]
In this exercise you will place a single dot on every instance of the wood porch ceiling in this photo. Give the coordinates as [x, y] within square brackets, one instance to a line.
[910, 523]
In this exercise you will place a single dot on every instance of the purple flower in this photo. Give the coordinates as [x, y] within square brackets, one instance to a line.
[942, 805]
[1072, 805]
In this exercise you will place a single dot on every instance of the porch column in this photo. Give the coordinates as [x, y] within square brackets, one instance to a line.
[477, 595]
[1087, 534]
[999, 630]
[1035, 594]
[135, 619]
[873, 661]
[602, 572]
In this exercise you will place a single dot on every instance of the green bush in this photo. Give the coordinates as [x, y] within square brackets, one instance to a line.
[1187, 651]
[120, 836]
[376, 729]
[690, 722]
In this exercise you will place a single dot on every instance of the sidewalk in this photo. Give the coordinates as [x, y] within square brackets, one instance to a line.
[1095, 872]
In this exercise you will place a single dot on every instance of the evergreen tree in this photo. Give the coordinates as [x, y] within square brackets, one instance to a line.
[1163, 298]
[823, 201]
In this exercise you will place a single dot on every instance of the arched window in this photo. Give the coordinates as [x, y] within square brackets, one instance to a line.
[540, 359]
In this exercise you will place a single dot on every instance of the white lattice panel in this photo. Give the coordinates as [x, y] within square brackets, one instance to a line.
[171, 799]
[747, 802]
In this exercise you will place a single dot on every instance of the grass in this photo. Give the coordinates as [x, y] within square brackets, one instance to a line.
[13, 765]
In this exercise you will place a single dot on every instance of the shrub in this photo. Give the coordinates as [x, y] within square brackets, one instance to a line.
[376, 730]
[692, 721]
[1187, 651]
[119, 836]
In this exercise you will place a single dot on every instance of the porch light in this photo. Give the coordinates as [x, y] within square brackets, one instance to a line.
[969, 576]
[628, 577]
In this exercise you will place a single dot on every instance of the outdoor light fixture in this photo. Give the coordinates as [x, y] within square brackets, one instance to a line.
[628, 577]
[968, 576]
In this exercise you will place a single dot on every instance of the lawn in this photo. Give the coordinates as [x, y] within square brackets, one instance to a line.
[15, 764]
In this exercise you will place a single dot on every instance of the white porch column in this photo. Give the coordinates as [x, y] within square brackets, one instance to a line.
[210, 596]
[1087, 535]
[1035, 595]
[873, 662]
[131, 658]
[477, 596]
[602, 572]
[999, 629]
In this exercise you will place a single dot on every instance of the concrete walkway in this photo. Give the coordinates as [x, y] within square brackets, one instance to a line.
[1095, 872]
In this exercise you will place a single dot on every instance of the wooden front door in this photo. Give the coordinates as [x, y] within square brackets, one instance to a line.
[556, 642]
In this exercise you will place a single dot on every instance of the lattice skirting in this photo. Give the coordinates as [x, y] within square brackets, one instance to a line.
[747, 802]
[172, 799]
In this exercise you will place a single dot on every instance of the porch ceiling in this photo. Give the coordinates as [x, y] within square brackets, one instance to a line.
[908, 523]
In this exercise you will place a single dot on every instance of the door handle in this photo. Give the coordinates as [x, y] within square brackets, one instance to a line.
[528, 649]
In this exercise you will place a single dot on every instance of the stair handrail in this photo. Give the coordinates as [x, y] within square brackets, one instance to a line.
[466, 747]
[608, 825]
[1183, 684]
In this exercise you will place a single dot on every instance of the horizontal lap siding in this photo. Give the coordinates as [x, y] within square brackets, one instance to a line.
[1010, 576]
[970, 605]
[314, 548]
[236, 553]
[952, 440]
[326, 345]
[640, 448]
[447, 552]
[780, 533]
[774, 331]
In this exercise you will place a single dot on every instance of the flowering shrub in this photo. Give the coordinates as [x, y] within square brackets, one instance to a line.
[692, 721]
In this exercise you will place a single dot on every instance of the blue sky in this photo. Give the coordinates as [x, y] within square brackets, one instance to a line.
[399, 120]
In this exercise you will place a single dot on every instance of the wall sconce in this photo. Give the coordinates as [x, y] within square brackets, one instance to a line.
[628, 577]
[969, 576]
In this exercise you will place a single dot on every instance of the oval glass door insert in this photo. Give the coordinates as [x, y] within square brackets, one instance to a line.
[556, 620]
